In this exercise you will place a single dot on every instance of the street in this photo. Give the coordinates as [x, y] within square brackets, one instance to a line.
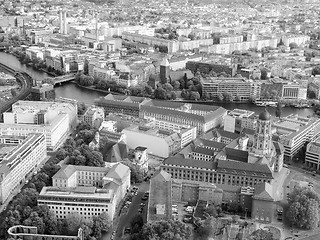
[126, 217]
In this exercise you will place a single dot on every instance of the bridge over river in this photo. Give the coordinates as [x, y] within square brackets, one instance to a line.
[62, 79]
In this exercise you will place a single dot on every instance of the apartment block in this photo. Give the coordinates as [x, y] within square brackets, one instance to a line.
[312, 158]
[88, 191]
[19, 158]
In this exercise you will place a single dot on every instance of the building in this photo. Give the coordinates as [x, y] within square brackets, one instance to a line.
[294, 91]
[238, 119]
[31, 233]
[239, 88]
[94, 116]
[141, 158]
[312, 158]
[207, 67]
[263, 203]
[203, 117]
[158, 142]
[164, 71]
[294, 132]
[53, 119]
[160, 199]
[43, 92]
[128, 105]
[88, 191]
[19, 158]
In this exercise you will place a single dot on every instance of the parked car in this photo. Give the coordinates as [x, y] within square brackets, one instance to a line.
[187, 219]
[127, 231]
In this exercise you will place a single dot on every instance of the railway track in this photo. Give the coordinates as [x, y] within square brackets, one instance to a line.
[26, 84]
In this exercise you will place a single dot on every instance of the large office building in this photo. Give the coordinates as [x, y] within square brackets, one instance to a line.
[161, 143]
[88, 191]
[239, 119]
[19, 158]
[53, 119]
[203, 117]
[294, 131]
[240, 88]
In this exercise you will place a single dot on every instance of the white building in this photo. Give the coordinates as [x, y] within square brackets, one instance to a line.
[88, 191]
[312, 158]
[53, 119]
[237, 119]
[18, 161]
[294, 131]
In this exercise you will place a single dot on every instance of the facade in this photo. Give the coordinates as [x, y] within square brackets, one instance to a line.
[294, 91]
[158, 142]
[241, 89]
[19, 159]
[88, 191]
[203, 117]
[315, 87]
[294, 131]
[44, 92]
[207, 67]
[31, 233]
[312, 158]
[223, 173]
[141, 158]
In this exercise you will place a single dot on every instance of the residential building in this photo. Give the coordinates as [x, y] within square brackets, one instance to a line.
[141, 158]
[158, 142]
[19, 158]
[203, 117]
[241, 89]
[294, 131]
[43, 92]
[31, 233]
[315, 87]
[88, 191]
[312, 158]
[94, 116]
[208, 66]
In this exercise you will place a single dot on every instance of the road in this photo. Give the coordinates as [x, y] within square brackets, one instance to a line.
[126, 218]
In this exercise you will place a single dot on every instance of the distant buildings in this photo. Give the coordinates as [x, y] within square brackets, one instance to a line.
[54, 119]
[294, 131]
[88, 191]
[19, 158]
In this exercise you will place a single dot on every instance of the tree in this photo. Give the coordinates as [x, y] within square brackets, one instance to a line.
[211, 210]
[194, 95]
[264, 74]
[261, 234]
[208, 228]
[316, 71]
[173, 96]
[36, 221]
[279, 110]
[220, 97]
[168, 230]
[49, 219]
[95, 159]
[136, 224]
[81, 108]
[303, 208]
[192, 36]
[176, 85]
[148, 89]
[311, 94]
[227, 97]
[293, 45]
[101, 224]
[160, 93]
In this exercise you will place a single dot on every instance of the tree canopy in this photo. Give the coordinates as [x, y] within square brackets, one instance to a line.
[303, 209]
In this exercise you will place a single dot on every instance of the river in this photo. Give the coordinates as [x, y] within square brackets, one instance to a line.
[70, 90]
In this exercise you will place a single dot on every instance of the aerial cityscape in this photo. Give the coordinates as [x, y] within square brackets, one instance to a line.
[160, 120]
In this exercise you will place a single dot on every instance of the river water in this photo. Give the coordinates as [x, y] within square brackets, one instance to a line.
[70, 90]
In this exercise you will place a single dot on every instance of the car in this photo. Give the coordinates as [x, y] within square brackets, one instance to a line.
[127, 231]
[175, 206]
[140, 210]
[136, 193]
[144, 198]
[187, 219]
[285, 165]
[135, 188]
[142, 204]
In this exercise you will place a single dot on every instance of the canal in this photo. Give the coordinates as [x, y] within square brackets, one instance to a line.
[70, 90]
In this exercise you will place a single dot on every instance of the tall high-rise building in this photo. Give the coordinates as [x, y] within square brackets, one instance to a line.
[63, 21]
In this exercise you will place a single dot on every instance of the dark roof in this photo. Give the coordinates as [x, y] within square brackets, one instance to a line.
[237, 155]
[204, 151]
[248, 131]
[187, 162]
[177, 75]
[221, 133]
[209, 143]
[263, 191]
[261, 170]
[265, 115]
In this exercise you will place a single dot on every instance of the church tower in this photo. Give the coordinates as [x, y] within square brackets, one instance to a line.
[164, 70]
[262, 142]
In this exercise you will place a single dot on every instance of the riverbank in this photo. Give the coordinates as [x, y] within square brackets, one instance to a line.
[94, 89]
